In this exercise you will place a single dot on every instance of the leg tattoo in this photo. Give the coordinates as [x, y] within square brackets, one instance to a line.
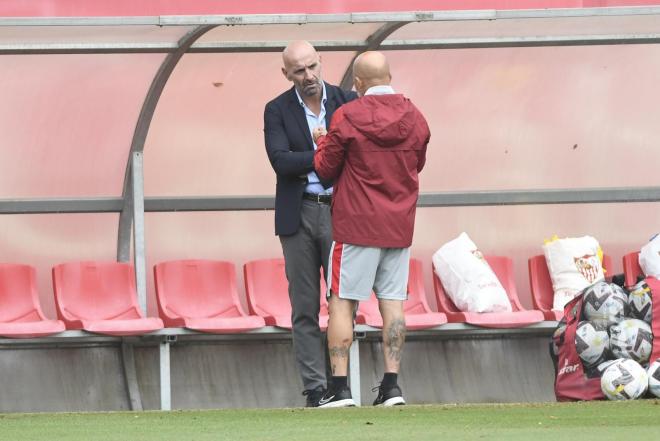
[337, 352]
[396, 335]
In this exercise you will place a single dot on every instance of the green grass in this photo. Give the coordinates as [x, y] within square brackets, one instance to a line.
[554, 421]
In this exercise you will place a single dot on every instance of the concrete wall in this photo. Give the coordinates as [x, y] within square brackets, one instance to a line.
[261, 373]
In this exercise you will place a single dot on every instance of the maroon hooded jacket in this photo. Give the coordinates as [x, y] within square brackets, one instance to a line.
[375, 148]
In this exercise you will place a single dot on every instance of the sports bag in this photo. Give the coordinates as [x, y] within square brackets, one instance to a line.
[572, 381]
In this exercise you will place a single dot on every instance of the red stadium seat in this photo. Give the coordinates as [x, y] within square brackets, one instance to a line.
[201, 295]
[100, 297]
[519, 317]
[631, 268]
[20, 309]
[416, 308]
[541, 285]
[267, 292]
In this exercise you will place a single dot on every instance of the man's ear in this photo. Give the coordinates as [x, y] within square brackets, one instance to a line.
[357, 82]
[286, 75]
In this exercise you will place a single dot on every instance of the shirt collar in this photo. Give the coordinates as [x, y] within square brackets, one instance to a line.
[324, 97]
[380, 90]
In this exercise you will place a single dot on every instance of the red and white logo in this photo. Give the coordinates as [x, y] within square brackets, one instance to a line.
[589, 266]
[568, 368]
[476, 253]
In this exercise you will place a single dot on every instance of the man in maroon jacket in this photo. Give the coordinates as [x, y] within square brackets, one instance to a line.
[375, 148]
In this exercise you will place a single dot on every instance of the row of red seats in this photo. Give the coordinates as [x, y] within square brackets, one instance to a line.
[101, 297]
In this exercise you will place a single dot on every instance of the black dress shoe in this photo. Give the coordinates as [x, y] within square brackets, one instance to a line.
[314, 396]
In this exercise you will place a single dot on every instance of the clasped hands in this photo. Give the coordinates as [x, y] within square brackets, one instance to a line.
[318, 132]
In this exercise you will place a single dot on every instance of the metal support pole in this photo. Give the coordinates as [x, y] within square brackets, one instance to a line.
[126, 219]
[165, 386]
[137, 181]
[373, 42]
[142, 129]
[354, 371]
[130, 374]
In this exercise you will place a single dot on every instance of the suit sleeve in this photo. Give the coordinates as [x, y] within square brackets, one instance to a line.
[283, 160]
[349, 95]
[331, 149]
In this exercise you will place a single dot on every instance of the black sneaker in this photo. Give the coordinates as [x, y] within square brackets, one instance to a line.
[337, 398]
[391, 396]
[314, 395]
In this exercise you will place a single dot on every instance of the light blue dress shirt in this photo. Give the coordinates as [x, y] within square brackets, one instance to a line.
[313, 184]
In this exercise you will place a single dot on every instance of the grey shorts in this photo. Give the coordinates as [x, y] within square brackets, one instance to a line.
[355, 271]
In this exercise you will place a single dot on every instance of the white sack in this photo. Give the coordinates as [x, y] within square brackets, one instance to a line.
[468, 279]
[649, 257]
[574, 263]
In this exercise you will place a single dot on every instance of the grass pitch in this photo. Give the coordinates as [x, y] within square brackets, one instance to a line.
[552, 421]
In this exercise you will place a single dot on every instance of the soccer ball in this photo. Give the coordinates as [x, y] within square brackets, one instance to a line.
[654, 377]
[601, 368]
[631, 338]
[591, 343]
[640, 302]
[605, 303]
[624, 380]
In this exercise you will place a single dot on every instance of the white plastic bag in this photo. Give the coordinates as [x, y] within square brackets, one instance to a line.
[574, 263]
[468, 280]
[649, 257]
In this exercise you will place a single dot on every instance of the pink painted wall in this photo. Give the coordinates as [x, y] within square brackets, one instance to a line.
[66, 123]
[500, 118]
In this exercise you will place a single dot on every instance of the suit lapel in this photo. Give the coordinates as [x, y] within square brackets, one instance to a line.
[330, 105]
[299, 115]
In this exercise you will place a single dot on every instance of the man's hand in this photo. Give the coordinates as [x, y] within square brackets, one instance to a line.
[318, 132]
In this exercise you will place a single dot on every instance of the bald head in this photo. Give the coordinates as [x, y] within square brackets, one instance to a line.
[296, 50]
[370, 69]
[302, 66]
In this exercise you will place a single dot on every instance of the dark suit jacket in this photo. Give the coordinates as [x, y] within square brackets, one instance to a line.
[291, 151]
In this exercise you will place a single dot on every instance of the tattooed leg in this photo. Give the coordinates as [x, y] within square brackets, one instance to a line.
[394, 333]
[340, 333]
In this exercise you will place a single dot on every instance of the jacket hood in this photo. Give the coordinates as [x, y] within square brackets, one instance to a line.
[387, 120]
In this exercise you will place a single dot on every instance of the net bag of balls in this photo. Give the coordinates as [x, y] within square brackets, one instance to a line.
[608, 343]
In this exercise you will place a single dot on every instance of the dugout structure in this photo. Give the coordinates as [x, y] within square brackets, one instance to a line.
[93, 91]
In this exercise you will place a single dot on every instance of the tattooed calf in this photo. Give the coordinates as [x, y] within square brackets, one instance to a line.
[337, 352]
[396, 335]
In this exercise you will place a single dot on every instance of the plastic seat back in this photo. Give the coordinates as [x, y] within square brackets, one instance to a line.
[95, 291]
[540, 282]
[267, 288]
[197, 289]
[417, 302]
[502, 266]
[631, 268]
[19, 299]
